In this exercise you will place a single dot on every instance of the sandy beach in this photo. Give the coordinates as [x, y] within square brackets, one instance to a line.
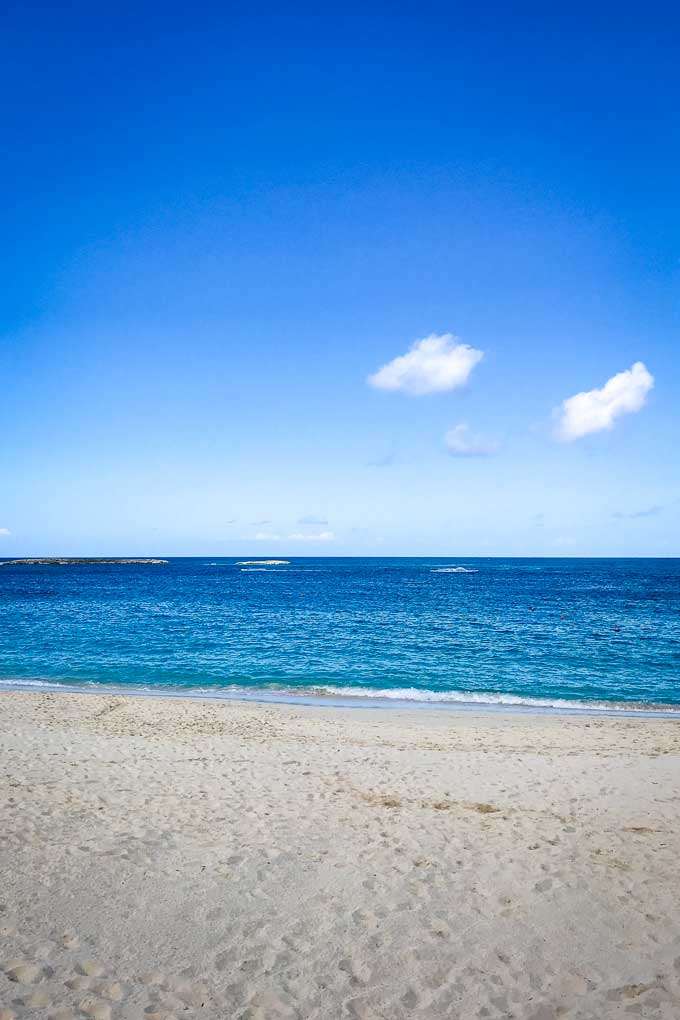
[174, 858]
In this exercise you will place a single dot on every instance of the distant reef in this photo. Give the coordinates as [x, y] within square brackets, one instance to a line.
[77, 561]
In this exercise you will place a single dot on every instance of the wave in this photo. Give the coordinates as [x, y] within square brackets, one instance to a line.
[344, 696]
[454, 570]
[488, 698]
[262, 563]
[53, 685]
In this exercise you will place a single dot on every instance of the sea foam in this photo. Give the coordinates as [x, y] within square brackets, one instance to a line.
[347, 696]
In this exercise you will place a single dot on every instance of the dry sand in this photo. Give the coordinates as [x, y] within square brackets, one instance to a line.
[173, 858]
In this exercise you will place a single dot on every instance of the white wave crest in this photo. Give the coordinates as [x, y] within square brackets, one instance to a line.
[262, 563]
[487, 698]
[454, 570]
[29, 682]
[342, 695]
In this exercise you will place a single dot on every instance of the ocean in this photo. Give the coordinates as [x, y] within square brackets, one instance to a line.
[546, 632]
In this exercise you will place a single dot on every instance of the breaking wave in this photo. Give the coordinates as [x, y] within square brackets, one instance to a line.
[454, 570]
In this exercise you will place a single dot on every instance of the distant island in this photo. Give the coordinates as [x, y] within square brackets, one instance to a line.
[78, 561]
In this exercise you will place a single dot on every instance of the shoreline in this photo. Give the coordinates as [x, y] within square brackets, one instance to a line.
[325, 698]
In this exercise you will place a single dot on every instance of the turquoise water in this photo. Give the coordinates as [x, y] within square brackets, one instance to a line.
[467, 630]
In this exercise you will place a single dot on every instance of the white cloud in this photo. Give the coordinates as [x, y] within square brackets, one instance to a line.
[322, 536]
[267, 536]
[460, 442]
[595, 410]
[432, 365]
[5, 531]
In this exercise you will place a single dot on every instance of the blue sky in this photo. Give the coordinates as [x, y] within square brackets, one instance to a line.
[218, 226]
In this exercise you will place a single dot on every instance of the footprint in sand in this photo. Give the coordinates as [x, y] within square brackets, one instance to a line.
[22, 972]
[95, 1009]
[91, 968]
[79, 983]
[38, 1000]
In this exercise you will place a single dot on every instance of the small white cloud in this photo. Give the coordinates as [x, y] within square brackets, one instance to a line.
[432, 365]
[5, 531]
[595, 410]
[267, 536]
[322, 536]
[460, 442]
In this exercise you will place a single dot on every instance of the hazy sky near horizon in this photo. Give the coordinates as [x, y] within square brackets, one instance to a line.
[321, 283]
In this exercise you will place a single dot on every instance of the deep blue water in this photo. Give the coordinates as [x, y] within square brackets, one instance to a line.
[495, 629]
